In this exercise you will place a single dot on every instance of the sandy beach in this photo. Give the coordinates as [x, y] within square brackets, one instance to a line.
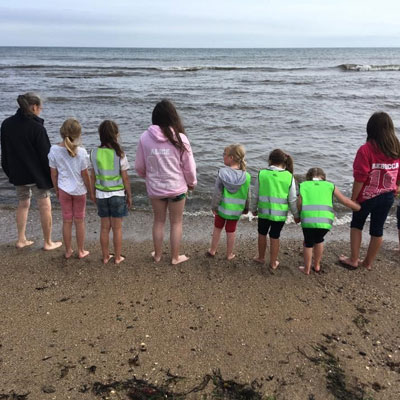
[209, 328]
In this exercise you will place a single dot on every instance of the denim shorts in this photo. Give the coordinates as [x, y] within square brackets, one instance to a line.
[379, 208]
[176, 198]
[114, 207]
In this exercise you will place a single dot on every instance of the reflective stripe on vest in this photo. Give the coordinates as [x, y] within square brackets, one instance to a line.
[232, 205]
[273, 192]
[317, 205]
[106, 166]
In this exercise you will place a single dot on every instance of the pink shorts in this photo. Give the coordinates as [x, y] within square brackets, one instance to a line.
[230, 224]
[72, 206]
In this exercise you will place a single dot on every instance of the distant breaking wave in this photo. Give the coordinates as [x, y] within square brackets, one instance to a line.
[127, 70]
[361, 67]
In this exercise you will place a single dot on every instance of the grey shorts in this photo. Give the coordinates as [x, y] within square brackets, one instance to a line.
[24, 192]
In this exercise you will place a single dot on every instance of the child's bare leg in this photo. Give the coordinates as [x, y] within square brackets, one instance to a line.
[216, 236]
[46, 221]
[273, 251]
[116, 226]
[318, 251]
[105, 239]
[307, 253]
[355, 244]
[375, 244]
[230, 243]
[399, 239]
[160, 215]
[262, 247]
[80, 237]
[175, 209]
[22, 217]
[67, 237]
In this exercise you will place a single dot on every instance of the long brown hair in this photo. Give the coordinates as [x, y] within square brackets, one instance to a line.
[71, 132]
[27, 100]
[108, 132]
[380, 129]
[167, 118]
[279, 157]
[238, 153]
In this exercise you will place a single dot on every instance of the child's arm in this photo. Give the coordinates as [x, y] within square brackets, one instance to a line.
[254, 199]
[127, 185]
[217, 194]
[140, 164]
[54, 179]
[299, 202]
[247, 205]
[89, 186]
[357, 186]
[93, 182]
[292, 200]
[345, 200]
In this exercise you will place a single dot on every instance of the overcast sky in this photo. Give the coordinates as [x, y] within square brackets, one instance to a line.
[200, 23]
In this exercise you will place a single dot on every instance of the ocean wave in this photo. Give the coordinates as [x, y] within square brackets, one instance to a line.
[366, 67]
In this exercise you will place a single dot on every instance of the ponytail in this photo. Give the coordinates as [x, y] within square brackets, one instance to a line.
[108, 132]
[26, 101]
[237, 152]
[279, 157]
[71, 132]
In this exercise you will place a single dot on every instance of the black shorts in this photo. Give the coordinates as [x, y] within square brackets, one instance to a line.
[314, 236]
[274, 227]
[379, 208]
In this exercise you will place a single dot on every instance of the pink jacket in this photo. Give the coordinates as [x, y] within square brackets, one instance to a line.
[167, 171]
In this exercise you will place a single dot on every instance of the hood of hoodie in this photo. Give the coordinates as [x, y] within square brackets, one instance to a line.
[232, 178]
[157, 134]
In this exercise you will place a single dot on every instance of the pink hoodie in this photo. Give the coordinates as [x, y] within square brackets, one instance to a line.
[167, 171]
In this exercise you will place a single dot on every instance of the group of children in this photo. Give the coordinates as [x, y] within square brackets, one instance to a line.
[165, 160]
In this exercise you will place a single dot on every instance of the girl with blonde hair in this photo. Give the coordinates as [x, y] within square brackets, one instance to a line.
[69, 173]
[230, 198]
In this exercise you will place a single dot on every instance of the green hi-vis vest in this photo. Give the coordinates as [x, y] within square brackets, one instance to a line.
[317, 204]
[232, 205]
[106, 166]
[273, 192]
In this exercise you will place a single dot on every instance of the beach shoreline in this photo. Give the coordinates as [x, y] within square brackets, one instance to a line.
[78, 329]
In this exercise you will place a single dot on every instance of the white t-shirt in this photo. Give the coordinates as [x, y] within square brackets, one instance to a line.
[124, 165]
[69, 169]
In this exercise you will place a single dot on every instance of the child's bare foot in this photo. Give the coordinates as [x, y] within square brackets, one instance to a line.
[21, 245]
[107, 259]
[347, 261]
[259, 260]
[118, 260]
[275, 265]
[182, 258]
[304, 270]
[368, 267]
[83, 254]
[210, 253]
[230, 257]
[156, 259]
[317, 268]
[52, 246]
[68, 254]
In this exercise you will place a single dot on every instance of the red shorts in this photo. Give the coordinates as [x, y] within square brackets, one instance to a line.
[72, 206]
[230, 225]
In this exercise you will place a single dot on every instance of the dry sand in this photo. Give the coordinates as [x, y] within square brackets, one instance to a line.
[71, 327]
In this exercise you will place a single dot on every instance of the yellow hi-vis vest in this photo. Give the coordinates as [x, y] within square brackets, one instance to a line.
[232, 205]
[273, 192]
[106, 166]
[317, 204]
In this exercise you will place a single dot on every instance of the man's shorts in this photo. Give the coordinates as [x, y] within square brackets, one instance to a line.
[24, 192]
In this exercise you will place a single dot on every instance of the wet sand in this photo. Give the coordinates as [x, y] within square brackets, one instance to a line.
[70, 326]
